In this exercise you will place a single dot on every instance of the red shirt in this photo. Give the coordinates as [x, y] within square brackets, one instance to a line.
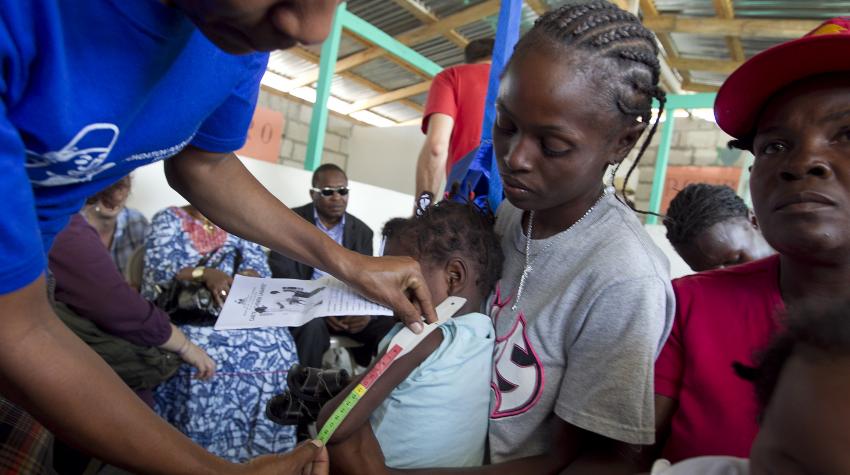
[459, 92]
[722, 317]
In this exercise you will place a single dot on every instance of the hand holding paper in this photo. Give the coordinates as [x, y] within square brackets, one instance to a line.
[256, 302]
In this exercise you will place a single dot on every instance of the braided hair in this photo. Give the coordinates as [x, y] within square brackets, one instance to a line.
[700, 206]
[450, 227]
[617, 36]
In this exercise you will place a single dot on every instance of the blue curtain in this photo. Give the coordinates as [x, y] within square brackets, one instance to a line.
[477, 172]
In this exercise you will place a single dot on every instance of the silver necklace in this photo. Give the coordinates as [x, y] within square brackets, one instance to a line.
[526, 271]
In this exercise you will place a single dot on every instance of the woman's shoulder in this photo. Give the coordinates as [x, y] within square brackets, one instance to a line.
[626, 246]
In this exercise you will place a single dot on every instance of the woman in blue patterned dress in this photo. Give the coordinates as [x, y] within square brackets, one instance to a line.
[225, 414]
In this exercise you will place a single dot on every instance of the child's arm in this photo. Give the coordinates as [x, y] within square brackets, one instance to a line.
[392, 377]
[360, 454]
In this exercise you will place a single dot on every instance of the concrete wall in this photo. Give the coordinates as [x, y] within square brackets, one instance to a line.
[696, 142]
[296, 128]
[385, 157]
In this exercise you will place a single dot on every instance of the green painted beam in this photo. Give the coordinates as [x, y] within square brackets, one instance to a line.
[703, 100]
[327, 65]
[661, 167]
[374, 35]
[674, 101]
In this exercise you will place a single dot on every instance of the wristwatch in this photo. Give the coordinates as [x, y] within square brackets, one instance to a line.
[198, 273]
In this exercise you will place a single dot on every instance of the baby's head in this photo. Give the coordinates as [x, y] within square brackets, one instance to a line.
[802, 381]
[456, 247]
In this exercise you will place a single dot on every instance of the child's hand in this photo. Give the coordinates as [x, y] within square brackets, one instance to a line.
[197, 357]
[357, 324]
[336, 324]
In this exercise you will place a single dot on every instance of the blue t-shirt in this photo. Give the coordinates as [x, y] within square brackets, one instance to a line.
[92, 89]
[447, 400]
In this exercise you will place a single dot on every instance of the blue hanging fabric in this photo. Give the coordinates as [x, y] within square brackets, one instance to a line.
[477, 172]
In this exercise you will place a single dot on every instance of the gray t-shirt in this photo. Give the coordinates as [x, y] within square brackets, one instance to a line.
[593, 316]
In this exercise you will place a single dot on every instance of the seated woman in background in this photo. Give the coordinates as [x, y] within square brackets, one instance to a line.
[711, 227]
[122, 230]
[441, 388]
[224, 415]
[89, 284]
[90, 287]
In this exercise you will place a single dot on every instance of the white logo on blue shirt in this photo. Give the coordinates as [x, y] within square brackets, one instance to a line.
[79, 161]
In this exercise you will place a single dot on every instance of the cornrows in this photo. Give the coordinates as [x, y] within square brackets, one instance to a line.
[700, 206]
[609, 32]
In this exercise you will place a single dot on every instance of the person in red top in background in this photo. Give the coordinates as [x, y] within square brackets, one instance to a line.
[790, 107]
[453, 116]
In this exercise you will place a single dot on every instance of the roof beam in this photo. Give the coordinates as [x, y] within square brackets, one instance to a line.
[289, 97]
[425, 16]
[463, 17]
[725, 9]
[650, 11]
[699, 87]
[346, 74]
[391, 96]
[417, 35]
[707, 65]
[537, 5]
[749, 28]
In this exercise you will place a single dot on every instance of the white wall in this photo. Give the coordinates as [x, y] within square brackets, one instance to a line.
[658, 233]
[385, 156]
[374, 205]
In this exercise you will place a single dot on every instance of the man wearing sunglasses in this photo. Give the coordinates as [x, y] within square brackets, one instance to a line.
[327, 211]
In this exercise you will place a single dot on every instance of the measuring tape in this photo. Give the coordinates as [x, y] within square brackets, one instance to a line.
[400, 345]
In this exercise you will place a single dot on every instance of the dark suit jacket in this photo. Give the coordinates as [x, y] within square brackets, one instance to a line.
[356, 236]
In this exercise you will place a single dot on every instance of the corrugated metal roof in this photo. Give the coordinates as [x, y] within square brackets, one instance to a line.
[444, 8]
[441, 51]
[396, 111]
[387, 74]
[384, 14]
[393, 18]
[349, 90]
[811, 9]
[419, 98]
[288, 64]
[347, 46]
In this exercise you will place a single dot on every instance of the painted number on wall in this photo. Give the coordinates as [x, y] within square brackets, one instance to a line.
[264, 136]
[680, 177]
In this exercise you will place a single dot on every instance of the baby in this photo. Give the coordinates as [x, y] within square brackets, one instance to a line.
[441, 387]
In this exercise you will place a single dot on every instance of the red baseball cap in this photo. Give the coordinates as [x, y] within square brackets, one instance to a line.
[743, 95]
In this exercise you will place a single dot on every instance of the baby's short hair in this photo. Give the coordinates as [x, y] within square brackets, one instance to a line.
[449, 227]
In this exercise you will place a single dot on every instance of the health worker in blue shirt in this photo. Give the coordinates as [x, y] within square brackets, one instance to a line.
[92, 89]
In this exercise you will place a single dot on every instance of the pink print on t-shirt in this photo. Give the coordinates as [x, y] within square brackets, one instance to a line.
[518, 378]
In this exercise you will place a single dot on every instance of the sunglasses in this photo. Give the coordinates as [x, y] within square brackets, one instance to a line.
[328, 191]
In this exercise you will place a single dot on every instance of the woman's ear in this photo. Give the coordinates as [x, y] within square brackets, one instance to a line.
[752, 218]
[627, 139]
[457, 275]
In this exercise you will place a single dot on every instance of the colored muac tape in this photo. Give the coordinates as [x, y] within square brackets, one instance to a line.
[400, 345]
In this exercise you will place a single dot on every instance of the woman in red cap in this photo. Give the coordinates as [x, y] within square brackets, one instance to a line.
[790, 107]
